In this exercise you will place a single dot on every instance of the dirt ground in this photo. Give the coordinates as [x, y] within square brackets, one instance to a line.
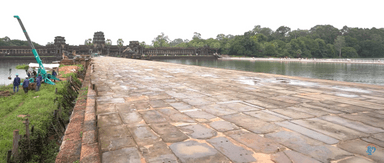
[68, 69]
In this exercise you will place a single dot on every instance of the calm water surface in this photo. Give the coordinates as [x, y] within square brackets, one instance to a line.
[359, 73]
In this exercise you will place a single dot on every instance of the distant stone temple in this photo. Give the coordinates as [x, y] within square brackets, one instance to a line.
[59, 49]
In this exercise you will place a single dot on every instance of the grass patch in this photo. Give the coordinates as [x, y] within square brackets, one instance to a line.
[39, 105]
[23, 66]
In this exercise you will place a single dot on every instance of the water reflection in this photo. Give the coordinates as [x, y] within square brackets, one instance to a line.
[359, 73]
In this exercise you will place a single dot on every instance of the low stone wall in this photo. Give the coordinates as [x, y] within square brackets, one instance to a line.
[183, 57]
[80, 139]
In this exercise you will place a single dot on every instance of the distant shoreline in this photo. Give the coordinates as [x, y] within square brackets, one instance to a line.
[312, 60]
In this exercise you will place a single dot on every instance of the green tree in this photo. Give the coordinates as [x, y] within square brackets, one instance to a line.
[349, 52]
[161, 41]
[339, 44]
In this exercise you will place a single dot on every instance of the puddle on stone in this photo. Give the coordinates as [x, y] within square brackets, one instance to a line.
[349, 89]
[346, 95]
[302, 83]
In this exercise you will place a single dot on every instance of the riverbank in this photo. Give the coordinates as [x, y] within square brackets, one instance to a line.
[361, 61]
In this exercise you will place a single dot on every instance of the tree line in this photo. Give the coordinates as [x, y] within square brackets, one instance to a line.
[6, 41]
[321, 41]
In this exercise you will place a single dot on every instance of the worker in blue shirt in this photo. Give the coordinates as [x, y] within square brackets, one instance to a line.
[40, 77]
[25, 85]
[38, 83]
[16, 83]
[54, 74]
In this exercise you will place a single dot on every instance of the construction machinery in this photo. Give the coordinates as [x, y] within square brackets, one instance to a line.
[46, 77]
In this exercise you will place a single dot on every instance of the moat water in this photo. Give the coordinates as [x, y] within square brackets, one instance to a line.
[359, 73]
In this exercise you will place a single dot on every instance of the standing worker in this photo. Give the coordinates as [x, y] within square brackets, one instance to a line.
[54, 74]
[40, 77]
[38, 83]
[16, 83]
[25, 85]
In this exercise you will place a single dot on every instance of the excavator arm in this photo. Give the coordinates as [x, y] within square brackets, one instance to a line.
[41, 69]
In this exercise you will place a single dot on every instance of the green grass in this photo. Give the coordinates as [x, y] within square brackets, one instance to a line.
[40, 110]
[23, 66]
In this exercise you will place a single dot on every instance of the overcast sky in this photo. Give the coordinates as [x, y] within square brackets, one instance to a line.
[142, 20]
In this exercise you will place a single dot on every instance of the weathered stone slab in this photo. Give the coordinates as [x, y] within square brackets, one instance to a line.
[360, 147]
[181, 106]
[168, 132]
[307, 132]
[108, 120]
[292, 113]
[192, 152]
[130, 118]
[158, 104]
[355, 160]
[115, 137]
[136, 99]
[310, 111]
[308, 146]
[152, 116]
[111, 100]
[197, 101]
[262, 104]
[240, 107]
[218, 110]
[372, 121]
[143, 135]
[257, 143]
[276, 114]
[264, 116]
[338, 106]
[352, 124]
[374, 141]
[250, 123]
[130, 155]
[142, 105]
[320, 108]
[234, 152]
[175, 116]
[280, 157]
[158, 153]
[298, 157]
[330, 129]
[105, 108]
[223, 126]
[125, 107]
[200, 115]
[198, 131]
[176, 95]
[379, 136]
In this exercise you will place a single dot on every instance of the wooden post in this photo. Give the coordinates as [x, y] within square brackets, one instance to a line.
[15, 147]
[27, 132]
[33, 127]
[9, 154]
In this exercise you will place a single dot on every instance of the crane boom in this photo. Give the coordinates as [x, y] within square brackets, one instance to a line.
[41, 69]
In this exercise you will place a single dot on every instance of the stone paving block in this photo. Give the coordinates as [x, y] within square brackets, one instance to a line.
[217, 110]
[175, 116]
[158, 104]
[125, 107]
[193, 152]
[197, 101]
[307, 132]
[115, 137]
[152, 116]
[355, 160]
[374, 141]
[142, 105]
[158, 153]
[176, 95]
[308, 146]
[372, 114]
[250, 123]
[292, 113]
[330, 129]
[105, 108]
[200, 115]
[143, 135]
[108, 120]
[168, 132]
[298, 157]
[339, 106]
[111, 100]
[352, 124]
[264, 116]
[130, 155]
[308, 105]
[130, 118]
[280, 157]
[310, 111]
[262, 104]
[240, 107]
[137, 99]
[181, 106]
[198, 131]
[379, 136]
[257, 143]
[372, 121]
[234, 152]
[276, 114]
[360, 147]
[223, 126]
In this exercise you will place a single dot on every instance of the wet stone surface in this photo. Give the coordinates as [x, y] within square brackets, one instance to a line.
[161, 112]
